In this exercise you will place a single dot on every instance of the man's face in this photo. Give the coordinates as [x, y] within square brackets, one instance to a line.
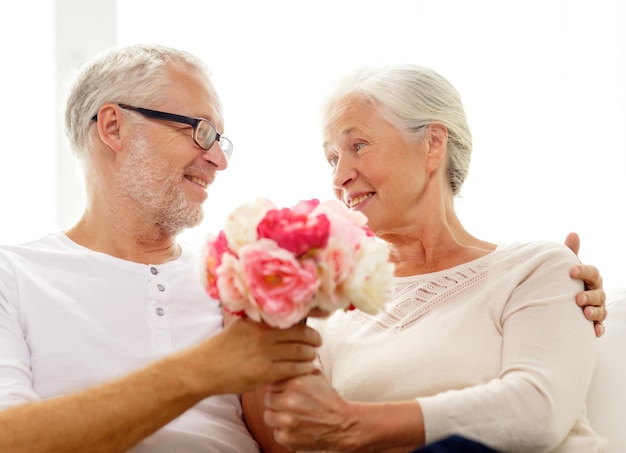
[156, 190]
[165, 174]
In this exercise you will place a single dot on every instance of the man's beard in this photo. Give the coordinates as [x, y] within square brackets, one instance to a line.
[149, 187]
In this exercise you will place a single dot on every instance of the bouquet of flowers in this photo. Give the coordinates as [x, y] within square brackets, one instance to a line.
[276, 265]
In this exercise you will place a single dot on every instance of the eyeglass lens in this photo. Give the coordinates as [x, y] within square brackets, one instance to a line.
[206, 134]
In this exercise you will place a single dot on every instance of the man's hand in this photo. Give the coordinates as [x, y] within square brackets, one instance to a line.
[593, 298]
[249, 354]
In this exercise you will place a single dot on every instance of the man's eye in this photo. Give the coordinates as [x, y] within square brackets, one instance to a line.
[332, 160]
[359, 146]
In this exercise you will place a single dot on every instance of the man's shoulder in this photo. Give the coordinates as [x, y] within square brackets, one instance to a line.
[52, 241]
[54, 251]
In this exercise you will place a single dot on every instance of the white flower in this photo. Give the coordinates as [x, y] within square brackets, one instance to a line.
[240, 225]
[370, 284]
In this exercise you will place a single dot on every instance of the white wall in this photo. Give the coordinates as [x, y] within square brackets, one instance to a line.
[27, 164]
[82, 28]
[543, 81]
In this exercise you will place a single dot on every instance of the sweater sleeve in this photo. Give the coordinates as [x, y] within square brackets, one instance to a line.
[548, 353]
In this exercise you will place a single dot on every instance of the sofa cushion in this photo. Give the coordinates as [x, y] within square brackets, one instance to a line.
[606, 400]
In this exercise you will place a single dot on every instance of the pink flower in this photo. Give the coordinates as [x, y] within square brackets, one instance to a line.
[232, 288]
[335, 262]
[276, 265]
[282, 287]
[305, 207]
[348, 226]
[296, 231]
[214, 249]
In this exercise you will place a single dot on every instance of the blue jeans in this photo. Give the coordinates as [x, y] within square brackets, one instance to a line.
[455, 444]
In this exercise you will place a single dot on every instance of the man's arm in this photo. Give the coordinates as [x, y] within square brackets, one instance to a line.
[115, 416]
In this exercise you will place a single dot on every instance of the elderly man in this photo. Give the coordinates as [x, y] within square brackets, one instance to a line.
[105, 332]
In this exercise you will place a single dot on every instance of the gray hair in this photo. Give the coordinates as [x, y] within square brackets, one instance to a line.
[411, 97]
[134, 75]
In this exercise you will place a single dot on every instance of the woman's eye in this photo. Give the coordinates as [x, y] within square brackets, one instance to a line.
[332, 160]
[359, 146]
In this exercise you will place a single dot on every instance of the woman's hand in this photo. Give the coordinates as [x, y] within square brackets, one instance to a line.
[306, 413]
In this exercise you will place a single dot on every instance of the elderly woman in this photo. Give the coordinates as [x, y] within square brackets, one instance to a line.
[481, 340]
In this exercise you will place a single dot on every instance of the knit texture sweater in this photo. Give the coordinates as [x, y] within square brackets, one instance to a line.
[495, 349]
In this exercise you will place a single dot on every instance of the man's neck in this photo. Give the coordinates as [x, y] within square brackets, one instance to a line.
[125, 242]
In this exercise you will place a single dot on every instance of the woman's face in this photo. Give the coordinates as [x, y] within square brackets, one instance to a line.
[376, 169]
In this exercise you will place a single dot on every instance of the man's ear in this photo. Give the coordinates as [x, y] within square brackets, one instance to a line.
[437, 146]
[110, 125]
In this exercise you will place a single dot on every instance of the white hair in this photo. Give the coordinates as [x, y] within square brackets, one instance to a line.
[410, 97]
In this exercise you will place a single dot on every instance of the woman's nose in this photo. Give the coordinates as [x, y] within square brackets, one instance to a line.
[344, 173]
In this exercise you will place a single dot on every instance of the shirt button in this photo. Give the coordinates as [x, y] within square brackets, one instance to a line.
[160, 311]
[154, 270]
[161, 287]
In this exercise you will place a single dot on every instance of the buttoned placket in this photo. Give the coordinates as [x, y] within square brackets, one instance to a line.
[158, 310]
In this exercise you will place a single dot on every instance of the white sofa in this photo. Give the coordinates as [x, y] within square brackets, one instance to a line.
[606, 400]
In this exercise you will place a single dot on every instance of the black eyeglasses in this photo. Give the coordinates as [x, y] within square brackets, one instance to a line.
[204, 133]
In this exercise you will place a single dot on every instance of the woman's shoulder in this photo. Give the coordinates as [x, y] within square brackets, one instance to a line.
[540, 249]
[549, 259]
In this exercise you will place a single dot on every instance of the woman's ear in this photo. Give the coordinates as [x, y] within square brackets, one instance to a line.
[110, 124]
[437, 146]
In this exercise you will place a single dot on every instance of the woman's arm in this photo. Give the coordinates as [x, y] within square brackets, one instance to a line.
[548, 354]
[547, 361]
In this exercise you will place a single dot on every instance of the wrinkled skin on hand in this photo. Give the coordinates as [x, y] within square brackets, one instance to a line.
[307, 413]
